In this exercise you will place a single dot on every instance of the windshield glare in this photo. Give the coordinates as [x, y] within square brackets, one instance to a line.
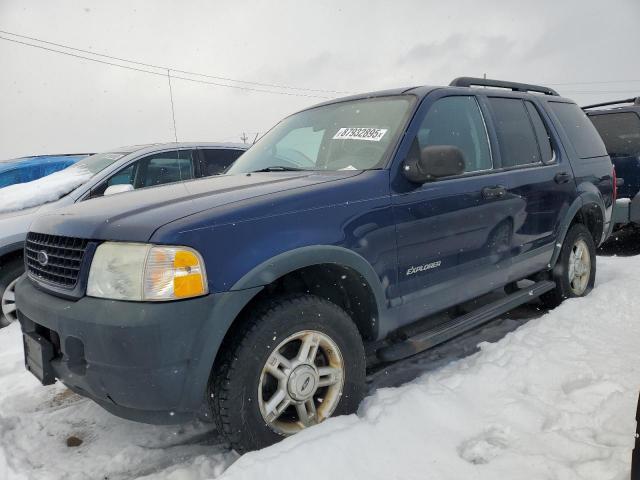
[98, 162]
[351, 135]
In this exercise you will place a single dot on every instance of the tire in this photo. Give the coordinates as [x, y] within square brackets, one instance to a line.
[9, 274]
[243, 389]
[563, 272]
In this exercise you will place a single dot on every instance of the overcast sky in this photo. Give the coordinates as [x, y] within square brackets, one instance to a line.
[51, 103]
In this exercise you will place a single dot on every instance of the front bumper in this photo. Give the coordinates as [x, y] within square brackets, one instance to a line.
[147, 362]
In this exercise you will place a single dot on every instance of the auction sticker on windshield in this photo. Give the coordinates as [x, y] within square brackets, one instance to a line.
[369, 134]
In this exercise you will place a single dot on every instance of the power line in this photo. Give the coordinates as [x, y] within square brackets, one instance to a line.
[597, 82]
[600, 91]
[162, 67]
[163, 74]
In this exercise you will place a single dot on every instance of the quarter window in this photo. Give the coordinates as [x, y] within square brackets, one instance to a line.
[456, 121]
[542, 134]
[518, 144]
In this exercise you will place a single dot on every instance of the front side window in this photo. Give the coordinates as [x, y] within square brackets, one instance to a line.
[620, 133]
[165, 167]
[517, 140]
[456, 121]
[351, 135]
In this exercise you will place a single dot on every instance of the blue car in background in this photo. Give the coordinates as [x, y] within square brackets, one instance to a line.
[26, 169]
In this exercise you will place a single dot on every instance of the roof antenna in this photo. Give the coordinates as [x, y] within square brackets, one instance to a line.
[173, 112]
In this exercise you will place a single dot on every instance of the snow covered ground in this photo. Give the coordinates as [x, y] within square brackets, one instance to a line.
[549, 398]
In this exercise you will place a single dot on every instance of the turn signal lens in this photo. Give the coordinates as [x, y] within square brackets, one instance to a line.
[174, 273]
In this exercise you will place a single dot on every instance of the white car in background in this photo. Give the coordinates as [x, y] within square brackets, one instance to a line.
[116, 171]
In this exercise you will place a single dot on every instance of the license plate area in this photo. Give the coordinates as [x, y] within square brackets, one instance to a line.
[38, 353]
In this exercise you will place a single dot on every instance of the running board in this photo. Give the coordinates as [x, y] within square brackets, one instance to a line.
[453, 328]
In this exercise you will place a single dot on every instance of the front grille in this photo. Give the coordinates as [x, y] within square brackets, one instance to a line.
[55, 259]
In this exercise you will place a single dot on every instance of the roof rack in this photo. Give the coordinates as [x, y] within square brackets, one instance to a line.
[635, 101]
[514, 86]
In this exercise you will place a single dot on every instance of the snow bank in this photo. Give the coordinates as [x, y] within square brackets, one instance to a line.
[43, 190]
[553, 399]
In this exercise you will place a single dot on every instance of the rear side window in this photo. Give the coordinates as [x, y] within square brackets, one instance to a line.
[579, 129]
[456, 121]
[216, 160]
[542, 134]
[620, 133]
[518, 143]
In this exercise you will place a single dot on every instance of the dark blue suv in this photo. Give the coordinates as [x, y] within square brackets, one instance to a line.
[258, 297]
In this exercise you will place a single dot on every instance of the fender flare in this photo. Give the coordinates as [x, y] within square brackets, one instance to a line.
[585, 198]
[287, 262]
[12, 248]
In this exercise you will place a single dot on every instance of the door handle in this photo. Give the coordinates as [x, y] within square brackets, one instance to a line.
[562, 177]
[490, 193]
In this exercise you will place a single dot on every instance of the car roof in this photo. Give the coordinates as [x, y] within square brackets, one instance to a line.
[422, 91]
[153, 147]
[605, 111]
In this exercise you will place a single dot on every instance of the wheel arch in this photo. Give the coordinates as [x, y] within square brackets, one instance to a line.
[338, 274]
[11, 251]
[588, 210]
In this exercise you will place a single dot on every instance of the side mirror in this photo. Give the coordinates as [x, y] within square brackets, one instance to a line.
[435, 161]
[113, 189]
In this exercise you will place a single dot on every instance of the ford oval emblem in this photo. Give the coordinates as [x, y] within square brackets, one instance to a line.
[43, 258]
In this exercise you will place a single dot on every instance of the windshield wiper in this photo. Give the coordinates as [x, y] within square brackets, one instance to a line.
[279, 168]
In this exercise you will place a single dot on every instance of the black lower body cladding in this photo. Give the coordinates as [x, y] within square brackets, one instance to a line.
[148, 362]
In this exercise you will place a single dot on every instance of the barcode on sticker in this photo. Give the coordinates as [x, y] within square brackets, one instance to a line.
[370, 134]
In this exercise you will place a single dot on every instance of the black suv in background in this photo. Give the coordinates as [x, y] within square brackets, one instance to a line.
[618, 123]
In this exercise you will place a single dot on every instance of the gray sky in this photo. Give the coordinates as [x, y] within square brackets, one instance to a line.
[50, 103]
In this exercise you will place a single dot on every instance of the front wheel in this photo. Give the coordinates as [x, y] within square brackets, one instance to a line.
[575, 271]
[299, 361]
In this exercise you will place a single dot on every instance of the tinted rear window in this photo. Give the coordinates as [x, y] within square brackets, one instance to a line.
[620, 132]
[581, 132]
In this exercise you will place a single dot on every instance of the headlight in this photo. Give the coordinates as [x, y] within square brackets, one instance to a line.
[142, 272]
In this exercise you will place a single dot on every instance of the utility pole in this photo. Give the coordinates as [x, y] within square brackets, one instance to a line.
[244, 137]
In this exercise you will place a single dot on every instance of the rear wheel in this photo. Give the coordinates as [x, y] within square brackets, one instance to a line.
[9, 274]
[575, 271]
[297, 363]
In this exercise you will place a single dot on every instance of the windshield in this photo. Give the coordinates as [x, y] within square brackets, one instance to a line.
[352, 135]
[98, 162]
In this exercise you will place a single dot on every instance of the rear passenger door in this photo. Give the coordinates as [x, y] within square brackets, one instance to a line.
[215, 161]
[532, 167]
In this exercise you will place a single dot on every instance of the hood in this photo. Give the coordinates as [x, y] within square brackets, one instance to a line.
[134, 216]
